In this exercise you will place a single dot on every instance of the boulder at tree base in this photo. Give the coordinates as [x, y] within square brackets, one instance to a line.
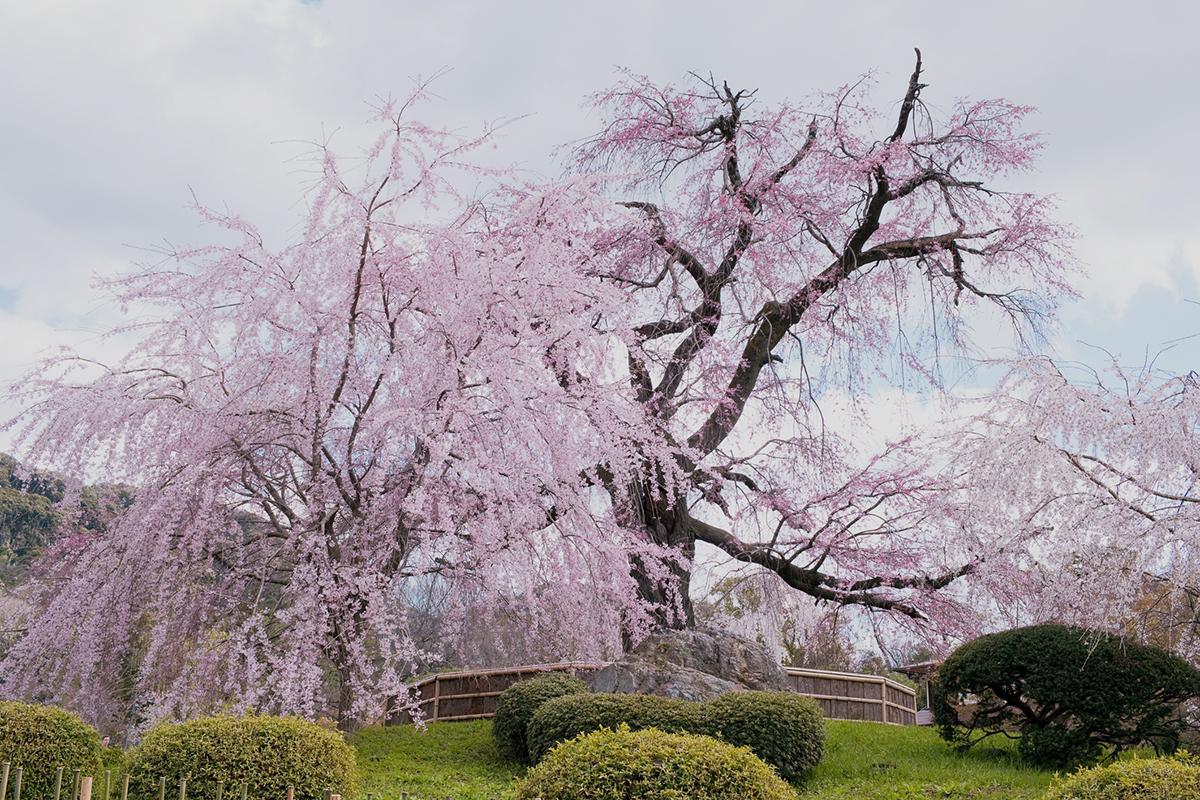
[697, 665]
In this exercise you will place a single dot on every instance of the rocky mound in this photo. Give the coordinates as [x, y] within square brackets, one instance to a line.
[693, 665]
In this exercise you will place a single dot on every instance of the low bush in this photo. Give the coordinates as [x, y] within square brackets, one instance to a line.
[650, 765]
[517, 705]
[784, 729]
[566, 717]
[1066, 692]
[39, 739]
[1137, 779]
[270, 753]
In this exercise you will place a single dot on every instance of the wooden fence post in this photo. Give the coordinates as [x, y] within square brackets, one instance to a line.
[85, 787]
[291, 795]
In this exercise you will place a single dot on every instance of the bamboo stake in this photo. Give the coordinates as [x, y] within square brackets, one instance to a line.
[76, 783]
[107, 782]
[125, 787]
[17, 783]
[183, 789]
[162, 787]
[245, 787]
[58, 783]
[220, 789]
[3, 780]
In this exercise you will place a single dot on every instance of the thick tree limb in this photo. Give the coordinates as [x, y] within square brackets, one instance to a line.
[820, 585]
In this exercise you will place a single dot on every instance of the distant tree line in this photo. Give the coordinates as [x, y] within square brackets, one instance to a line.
[38, 509]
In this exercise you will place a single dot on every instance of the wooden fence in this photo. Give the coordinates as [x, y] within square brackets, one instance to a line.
[841, 695]
[844, 695]
[473, 695]
[78, 786]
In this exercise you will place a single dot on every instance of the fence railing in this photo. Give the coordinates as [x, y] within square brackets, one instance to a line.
[80, 787]
[845, 695]
[459, 696]
[470, 695]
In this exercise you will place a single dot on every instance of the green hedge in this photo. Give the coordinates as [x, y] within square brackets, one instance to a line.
[39, 739]
[517, 705]
[566, 717]
[270, 753]
[1138, 779]
[650, 765]
[783, 729]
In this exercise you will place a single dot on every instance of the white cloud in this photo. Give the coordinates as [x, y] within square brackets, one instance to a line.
[114, 110]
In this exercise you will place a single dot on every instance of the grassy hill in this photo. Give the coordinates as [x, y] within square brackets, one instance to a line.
[863, 761]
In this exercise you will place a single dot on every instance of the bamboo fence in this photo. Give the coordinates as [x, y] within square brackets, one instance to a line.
[467, 695]
[81, 787]
[845, 695]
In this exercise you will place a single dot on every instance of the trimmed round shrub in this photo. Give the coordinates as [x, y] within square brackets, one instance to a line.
[1139, 779]
[517, 705]
[39, 739]
[270, 753]
[1066, 692]
[566, 717]
[784, 729]
[650, 765]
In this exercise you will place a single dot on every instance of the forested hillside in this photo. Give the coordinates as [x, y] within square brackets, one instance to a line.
[38, 509]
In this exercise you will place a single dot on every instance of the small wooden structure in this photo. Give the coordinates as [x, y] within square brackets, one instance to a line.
[923, 674]
[473, 694]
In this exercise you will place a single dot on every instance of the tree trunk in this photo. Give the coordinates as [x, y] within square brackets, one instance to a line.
[346, 722]
[664, 520]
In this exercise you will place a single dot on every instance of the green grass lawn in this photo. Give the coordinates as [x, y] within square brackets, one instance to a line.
[883, 762]
[863, 761]
[447, 759]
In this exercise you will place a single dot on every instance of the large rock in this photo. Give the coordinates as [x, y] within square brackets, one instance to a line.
[691, 665]
[642, 677]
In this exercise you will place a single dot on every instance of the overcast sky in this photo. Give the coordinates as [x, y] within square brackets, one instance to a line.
[115, 112]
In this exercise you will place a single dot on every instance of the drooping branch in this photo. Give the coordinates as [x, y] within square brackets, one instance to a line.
[823, 586]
